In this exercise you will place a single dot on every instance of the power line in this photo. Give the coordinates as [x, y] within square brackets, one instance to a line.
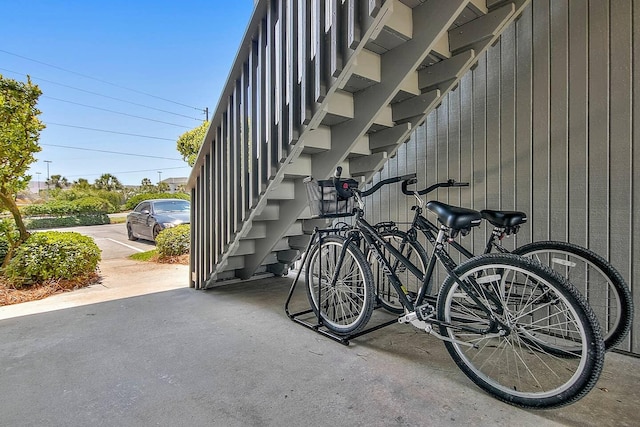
[110, 131]
[115, 112]
[104, 96]
[138, 171]
[111, 152]
[101, 81]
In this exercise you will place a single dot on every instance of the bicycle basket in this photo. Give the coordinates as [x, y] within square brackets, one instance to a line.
[324, 201]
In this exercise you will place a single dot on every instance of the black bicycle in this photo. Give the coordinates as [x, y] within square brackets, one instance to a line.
[603, 286]
[516, 328]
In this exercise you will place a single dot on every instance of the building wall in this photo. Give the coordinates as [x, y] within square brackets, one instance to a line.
[544, 124]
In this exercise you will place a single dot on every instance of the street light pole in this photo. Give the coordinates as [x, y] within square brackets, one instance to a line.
[47, 162]
[38, 173]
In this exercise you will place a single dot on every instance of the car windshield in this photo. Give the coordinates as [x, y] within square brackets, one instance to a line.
[172, 206]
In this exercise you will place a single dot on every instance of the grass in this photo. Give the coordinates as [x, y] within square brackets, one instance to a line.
[151, 255]
[117, 219]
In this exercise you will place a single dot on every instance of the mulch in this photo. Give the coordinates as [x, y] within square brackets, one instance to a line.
[9, 294]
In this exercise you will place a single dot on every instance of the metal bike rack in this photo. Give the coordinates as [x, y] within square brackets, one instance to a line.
[318, 326]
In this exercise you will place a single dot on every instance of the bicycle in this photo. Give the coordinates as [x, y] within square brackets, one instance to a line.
[517, 329]
[602, 285]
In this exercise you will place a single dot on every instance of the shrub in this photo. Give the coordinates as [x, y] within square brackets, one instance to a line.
[174, 241]
[93, 204]
[4, 247]
[52, 255]
[8, 233]
[114, 198]
[133, 202]
[84, 205]
[55, 207]
[67, 221]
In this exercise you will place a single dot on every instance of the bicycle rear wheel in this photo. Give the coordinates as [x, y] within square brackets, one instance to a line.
[414, 252]
[344, 307]
[510, 324]
[604, 288]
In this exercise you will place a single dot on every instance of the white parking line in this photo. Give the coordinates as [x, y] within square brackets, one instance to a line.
[124, 244]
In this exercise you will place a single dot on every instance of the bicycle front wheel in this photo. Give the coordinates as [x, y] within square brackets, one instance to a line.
[510, 319]
[343, 306]
[604, 288]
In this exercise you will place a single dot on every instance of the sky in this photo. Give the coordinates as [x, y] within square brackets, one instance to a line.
[126, 77]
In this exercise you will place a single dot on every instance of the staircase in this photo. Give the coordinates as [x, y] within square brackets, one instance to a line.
[318, 84]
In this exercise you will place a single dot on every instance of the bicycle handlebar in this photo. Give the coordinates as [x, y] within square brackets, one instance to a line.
[388, 181]
[448, 183]
[345, 192]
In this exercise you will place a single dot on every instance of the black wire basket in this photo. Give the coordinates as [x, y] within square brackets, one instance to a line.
[324, 201]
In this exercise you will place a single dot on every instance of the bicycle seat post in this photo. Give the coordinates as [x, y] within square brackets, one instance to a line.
[442, 235]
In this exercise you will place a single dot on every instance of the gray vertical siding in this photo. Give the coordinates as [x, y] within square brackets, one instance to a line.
[544, 124]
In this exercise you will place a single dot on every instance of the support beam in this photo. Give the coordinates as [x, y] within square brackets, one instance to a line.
[480, 29]
[389, 137]
[416, 106]
[446, 70]
[367, 165]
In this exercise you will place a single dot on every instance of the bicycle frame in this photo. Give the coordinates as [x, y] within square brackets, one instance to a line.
[428, 229]
[375, 242]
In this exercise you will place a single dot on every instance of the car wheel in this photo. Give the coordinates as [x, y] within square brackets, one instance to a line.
[156, 231]
[130, 235]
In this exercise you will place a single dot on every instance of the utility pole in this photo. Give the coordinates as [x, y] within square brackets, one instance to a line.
[38, 173]
[159, 177]
[48, 162]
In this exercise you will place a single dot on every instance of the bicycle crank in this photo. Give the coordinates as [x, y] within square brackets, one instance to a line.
[412, 318]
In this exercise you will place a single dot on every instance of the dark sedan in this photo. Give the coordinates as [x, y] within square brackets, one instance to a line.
[150, 217]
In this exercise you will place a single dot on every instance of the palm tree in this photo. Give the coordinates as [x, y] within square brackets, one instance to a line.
[58, 181]
[108, 182]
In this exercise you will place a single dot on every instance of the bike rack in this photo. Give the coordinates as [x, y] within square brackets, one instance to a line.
[318, 326]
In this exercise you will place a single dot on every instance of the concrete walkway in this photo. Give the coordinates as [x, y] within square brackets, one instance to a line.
[142, 349]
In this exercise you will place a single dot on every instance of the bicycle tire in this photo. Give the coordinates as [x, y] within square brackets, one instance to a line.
[512, 366]
[386, 294]
[346, 307]
[602, 285]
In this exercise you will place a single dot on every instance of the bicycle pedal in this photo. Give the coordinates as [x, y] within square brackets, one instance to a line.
[425, 312]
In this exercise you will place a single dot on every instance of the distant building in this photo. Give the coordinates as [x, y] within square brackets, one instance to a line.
[176, 184]
[35, 186]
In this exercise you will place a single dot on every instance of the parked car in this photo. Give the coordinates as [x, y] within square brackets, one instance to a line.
[150, 217]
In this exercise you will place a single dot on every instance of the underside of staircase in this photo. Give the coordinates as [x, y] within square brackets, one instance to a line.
[316, 85]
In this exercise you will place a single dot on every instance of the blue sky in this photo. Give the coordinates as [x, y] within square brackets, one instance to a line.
[141, 70]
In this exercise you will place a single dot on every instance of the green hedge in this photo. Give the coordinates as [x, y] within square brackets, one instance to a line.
[133, 202]
[115, 198]
[174, 241]
[85, 205]
[52, 255]
[66, 221]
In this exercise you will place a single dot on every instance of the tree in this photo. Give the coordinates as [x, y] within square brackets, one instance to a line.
[81, 184]
[58, 181]
[189, 143]
[19, 133]
[107, 182]
[146, 186]
[163, 187]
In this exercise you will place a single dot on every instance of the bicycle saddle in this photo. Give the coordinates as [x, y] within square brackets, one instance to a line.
[455, 217]
[505, 219]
